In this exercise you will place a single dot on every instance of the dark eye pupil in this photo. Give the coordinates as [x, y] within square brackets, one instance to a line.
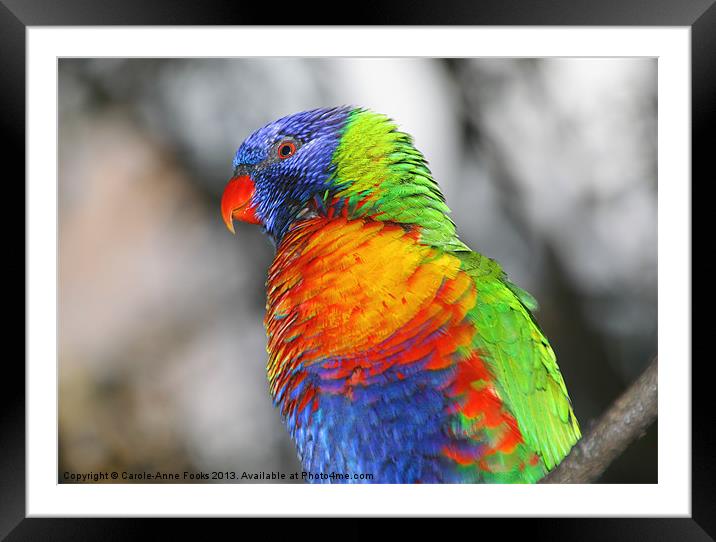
[285, 150]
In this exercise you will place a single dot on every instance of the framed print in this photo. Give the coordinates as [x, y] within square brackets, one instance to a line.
[349, 332]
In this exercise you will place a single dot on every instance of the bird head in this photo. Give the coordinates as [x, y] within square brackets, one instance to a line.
[339, 160]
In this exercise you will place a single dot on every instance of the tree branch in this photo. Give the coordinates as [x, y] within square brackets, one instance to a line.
[626, 420]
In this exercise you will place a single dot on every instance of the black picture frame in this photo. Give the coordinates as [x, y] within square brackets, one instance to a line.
[16, 15]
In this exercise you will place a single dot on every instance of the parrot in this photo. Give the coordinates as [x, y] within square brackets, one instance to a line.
[396, 354]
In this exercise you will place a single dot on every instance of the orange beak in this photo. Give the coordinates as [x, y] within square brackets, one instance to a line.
[237, 202]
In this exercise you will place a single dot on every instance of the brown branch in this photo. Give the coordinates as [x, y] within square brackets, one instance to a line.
[625, 421]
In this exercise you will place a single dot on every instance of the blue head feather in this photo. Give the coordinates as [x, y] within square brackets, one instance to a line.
[285, 186]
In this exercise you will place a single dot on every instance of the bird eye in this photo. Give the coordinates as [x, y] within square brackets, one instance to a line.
[286, 150]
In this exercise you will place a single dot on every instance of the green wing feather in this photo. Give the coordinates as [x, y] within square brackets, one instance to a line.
[521, 359]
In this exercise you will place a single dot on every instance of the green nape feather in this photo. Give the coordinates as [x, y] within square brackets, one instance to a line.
[376, 161]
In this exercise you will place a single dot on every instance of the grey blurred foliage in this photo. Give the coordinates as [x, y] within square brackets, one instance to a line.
[549, 166]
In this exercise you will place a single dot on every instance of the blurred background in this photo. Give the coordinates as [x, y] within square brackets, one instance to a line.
[549, 166]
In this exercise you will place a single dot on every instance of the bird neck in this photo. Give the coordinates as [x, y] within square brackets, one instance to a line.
[378, 174]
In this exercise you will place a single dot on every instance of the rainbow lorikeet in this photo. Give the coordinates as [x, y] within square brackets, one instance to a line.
[395, 353]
